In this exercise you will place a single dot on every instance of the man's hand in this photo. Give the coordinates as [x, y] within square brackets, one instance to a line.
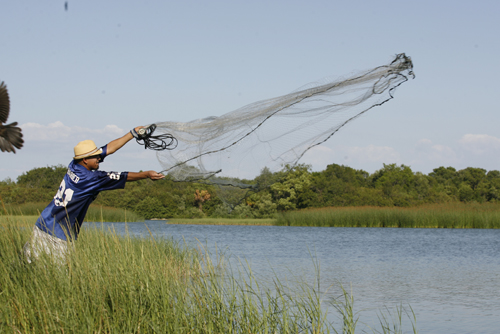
[150, 174]
[136, 132]
[155, 176]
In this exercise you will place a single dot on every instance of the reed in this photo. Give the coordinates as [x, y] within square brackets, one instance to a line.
[26, 209]
[95, 213]
[24, 221]
[450, 215]
[114, 284]
[122, 284]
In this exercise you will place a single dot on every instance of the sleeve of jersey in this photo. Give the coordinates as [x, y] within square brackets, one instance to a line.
[110, 180]
[104, 152]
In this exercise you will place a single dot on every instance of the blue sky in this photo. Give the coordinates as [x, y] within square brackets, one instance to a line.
[103, 67]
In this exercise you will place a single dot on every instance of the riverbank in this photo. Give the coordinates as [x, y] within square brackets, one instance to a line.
[450, 215]
[30, 219]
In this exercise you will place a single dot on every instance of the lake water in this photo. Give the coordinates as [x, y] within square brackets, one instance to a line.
[450, 278]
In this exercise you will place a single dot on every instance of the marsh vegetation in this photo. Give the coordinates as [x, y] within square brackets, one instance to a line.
[451, 215]
[111, 284]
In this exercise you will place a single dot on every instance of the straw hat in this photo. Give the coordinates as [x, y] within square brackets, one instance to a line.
[85, 149]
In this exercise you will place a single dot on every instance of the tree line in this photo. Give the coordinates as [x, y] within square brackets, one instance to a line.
[289, 189]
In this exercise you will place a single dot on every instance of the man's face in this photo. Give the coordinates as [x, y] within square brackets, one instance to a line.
[92, 163]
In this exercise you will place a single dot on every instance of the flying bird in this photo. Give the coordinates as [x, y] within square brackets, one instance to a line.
[10, 134]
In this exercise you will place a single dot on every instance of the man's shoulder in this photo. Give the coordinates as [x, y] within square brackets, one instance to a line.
[76, 169]
[73, 175]
[79, 174]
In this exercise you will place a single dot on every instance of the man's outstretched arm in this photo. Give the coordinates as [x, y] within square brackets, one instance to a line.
[150, 174]
[116, 144]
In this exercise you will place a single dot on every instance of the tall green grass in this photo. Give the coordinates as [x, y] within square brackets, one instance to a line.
[95, 213]
[26, 209]
[453, 215]
[98, 213]
[122, 284]
[25, 221]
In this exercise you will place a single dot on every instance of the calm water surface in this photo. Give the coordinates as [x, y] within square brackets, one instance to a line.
[451, 278]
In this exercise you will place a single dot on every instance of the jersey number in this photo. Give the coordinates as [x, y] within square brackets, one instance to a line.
[63, 195]
[114, 175]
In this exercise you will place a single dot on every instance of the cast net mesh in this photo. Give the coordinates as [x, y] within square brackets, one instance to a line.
[275, 132]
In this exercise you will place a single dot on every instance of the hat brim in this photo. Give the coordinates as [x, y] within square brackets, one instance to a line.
[97, 151]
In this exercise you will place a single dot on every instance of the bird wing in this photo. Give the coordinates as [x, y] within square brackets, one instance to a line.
[4, 103]
[11, 137]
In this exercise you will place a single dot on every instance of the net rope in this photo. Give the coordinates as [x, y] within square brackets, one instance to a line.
[160, 142]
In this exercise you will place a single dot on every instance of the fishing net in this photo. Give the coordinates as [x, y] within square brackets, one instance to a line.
[276, 132]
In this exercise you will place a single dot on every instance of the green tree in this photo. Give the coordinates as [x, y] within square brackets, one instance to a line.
[493, 193]
[443, 175]
[43, 177]
[395, 182]
[150, 207]
[338, 186]
[266, 178]
[472, 176]
[466, 193]
[262, 205]
[296, 181]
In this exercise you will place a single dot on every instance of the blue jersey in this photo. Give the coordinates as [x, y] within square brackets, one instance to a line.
[64, 216]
